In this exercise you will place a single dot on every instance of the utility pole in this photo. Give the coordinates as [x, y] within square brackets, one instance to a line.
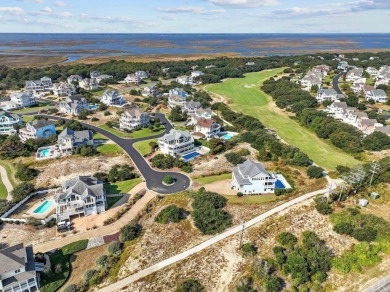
[375, 167]
[242, 233]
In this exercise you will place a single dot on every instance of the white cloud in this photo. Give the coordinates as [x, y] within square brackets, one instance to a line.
[47, 10]
[33, 1]
[193, 10]
[244, 3]
[60, 4]
[12, 10]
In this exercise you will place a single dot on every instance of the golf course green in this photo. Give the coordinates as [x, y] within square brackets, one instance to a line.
[244, 95]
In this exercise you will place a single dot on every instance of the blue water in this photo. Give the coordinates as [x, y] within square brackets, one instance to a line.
[92, 106]
[279, 184]
[45, 153]
[43, 207]
[190, 156]
[83, 45]
[227, 137]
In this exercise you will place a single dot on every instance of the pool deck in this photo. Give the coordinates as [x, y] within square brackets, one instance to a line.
[30, 212]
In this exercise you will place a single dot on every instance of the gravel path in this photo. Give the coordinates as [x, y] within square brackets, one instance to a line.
[6, 182]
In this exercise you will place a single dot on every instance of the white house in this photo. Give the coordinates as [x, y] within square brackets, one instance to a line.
[343, 66]
[176, 143]
[190, 107]
[69, 139]
[196, 74]
[7, 123]
[73, 105]
[151, 91]
[74, 78]
[102, 77]
[63, 89]
[251, 177]
[178, 91]
[372, 71]
[89, 84]
[323, 69]
[134, 118]
[111, 98]
[250, 63]
[183, 80]
[43, 84]
[354, 74]
[201, 114]
[133, 79]
[18, 269]
[326, 94]
[176, 100]
[142, 75]
[378, 95]
[95, 74]
[20, 100]
[81, 195]
[37, 129]
[209, 128]
[310, 79]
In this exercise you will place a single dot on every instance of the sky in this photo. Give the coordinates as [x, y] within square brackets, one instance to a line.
[195, 16]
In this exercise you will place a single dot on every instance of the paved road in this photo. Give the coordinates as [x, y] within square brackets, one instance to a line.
[336, 83]
[381, 286]
[234, 230]
[152, 177]
[6, 182]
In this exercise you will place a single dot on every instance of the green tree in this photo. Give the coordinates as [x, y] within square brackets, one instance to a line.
[115, 248]
[287, 239]
[376, 141]
[248, 249]
[129, 232]
[190, 285]
[21, 191]
[315, 171]
[170, 214]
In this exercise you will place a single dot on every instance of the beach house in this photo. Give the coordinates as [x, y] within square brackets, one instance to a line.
[134, 118]
[69, 140]
[73, 105]
[17, 269]
[37, 129]
[111, 98]
[209, 128]
[63, 89]
[43, 84]
[8, 121]
[251, 177]
[80, 196]
[176, 143]
[377, 95]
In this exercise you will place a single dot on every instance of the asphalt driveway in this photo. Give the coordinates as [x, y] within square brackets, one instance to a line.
[152, 177]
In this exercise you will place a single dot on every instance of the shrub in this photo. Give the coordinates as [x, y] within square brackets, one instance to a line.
[168, 180]
[366, 233]
[248, 249]
[71, 288]
[279, 192]
[287, 239]
[211, 221]
[88, 274]
[234, 158]
[94, 119]
[190, 285]
[206, 199]
[323, 207]
[24, 173]
[343, 228]
[314, 171]
[130, 232]
[115, 248]
[273, 284]
[21, 191]
[107, 113]
[170, 214]
[102, 261]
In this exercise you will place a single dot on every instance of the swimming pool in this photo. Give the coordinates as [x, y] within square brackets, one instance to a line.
[92, 106]
[45, 152]
[227, 136]
[279, 184]
[43, 207]
[190, 156]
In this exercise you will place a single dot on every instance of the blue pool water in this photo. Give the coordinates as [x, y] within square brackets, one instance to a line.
[92, 106]
[279, 185]
[43, 207]
[190, 156]
[227, 137]
[45, 153]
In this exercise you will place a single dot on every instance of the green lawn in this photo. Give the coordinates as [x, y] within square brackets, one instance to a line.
[246, 97]
[98, 92]
[3, 191]
[114, 131]
[9, 169]
[111, 201]
[28, 118]
[210, 179]
[33, 109]
[255, 199]
[122, 187]
[98, 136]
[146, 132]
[109, 149]
[143, 146]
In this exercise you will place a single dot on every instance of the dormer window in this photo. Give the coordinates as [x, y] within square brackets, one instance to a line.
[17, 271]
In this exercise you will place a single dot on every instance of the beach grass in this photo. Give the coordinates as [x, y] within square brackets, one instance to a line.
[245, 96]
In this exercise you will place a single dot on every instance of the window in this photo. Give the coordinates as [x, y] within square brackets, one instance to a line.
[17, 271]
